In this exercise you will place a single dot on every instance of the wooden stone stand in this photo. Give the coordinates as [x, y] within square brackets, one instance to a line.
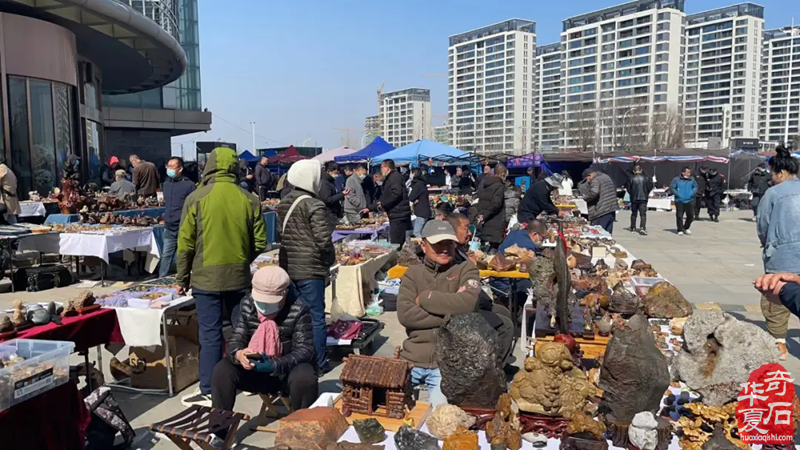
[592, 348]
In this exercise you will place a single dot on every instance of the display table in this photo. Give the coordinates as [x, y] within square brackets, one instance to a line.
[56, 419]
[74, 218]
[88, 330]
[398, 272]
[99, 245]
[663, 204]
[338, 235]
[350, 292]
[33, 209]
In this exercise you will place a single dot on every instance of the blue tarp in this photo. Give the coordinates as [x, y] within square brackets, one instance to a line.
[376, 148]
[421, 150]
[249, 157]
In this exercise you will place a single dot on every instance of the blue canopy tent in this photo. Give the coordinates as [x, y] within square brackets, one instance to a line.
[423, 150]
[249, 157]
[376, 148]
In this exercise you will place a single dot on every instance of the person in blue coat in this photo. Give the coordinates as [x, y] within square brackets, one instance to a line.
[684, 188]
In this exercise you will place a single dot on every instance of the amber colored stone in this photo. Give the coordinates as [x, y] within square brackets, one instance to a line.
[463, 439]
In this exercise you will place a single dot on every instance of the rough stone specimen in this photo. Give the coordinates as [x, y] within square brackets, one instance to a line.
[468, 354]
[719, 353]
[6, 324]
[408, 438]
[313, 428]
[583, 423]
[445, 420]
[369, 431]
[462, 439]
[280, 447]
[642, 431]
[665, 301]
[550, 384]
[20, 314]
[353, 446]
[718, 441]
[504, 428]
[38, 315]
[634, 374]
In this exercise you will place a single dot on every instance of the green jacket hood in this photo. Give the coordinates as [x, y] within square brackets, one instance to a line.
[222, 164]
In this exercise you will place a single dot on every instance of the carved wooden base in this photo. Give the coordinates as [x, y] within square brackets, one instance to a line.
[788, 446]
[576, 443]
[619, 432]
[482, 416]
[664, 430]
[88, 309]
[552, 427]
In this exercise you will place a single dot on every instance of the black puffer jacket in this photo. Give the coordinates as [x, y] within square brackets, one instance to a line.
[760, 181]
[394, 197]
[491, 205]
[294, 327]
[332, 197]
[419, 197]
[306, 247]
[715, 184]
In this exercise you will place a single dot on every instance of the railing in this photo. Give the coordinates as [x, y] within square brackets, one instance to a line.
[162, 12]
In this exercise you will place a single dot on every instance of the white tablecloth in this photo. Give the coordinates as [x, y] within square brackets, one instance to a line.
[350, 281]
[31, 209]
[142, 327]
[99, 245]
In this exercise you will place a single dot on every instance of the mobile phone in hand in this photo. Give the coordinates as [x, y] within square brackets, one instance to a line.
[254, 356]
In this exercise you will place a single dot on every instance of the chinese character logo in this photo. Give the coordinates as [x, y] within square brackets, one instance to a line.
[764, 411]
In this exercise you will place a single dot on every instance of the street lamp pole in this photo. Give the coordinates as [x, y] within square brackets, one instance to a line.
[253, 125]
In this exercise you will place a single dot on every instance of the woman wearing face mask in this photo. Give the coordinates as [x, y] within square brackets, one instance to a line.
[271, 348]
[355, 201]
[778, 215]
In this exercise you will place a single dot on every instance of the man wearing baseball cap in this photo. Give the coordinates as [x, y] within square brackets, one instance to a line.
[271, 348]
[428, 293]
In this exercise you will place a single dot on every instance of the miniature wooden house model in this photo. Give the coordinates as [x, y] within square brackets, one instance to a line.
[376, 386]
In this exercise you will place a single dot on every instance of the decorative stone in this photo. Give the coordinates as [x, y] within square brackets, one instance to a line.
[604, 325]
[504, 428]
[280, 447]
[719, 353]
[583, 423]
[468, 354]
[353, 446]
[312, 428]
[445, 420]
[369, 431]
[718, 441]
[642, 432]
[550, 384]
[38, 315]
[665, 301]
[20, 314]
[408, 438]
[536, 439]
[462, 439]
[634, 374]
[6, 324]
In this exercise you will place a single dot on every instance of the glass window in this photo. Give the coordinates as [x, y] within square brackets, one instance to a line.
[20, 154]
[43, 148]
[93, 130]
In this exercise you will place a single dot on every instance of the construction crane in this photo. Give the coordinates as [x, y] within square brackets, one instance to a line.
[378, 122]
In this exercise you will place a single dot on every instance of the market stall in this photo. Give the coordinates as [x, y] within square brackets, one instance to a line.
[375, 148]
[372, 230]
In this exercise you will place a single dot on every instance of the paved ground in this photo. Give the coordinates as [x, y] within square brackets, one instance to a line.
[714, 268]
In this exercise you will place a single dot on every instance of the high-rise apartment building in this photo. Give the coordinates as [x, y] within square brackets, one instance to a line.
[490, 87]
[371, 125]
[780, 87]
[547, 115]
[406, 116]
[621, 76]
[723, 73]
[441, 134]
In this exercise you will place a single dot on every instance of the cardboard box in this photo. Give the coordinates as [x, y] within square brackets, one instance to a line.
[149, 366]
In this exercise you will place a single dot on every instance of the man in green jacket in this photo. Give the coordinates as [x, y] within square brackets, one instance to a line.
[222, 231]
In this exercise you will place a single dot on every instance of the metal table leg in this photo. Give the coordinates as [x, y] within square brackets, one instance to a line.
[99, 349]
[167, 361]
[88, 370]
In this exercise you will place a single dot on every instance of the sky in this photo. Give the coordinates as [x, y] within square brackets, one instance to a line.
[299, 69]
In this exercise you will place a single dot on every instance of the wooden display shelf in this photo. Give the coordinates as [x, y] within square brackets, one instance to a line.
[592, 348]
[419, 414]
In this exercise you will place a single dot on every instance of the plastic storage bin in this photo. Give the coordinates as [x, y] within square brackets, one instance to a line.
[46, 366]
[642, 285]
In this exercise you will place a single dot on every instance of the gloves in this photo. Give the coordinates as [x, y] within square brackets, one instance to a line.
[265, 365]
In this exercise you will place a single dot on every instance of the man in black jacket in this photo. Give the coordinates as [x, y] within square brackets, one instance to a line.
[176, 189]
[394, 200]
[760, 181]
[700, 196]
[264, 178]
[331, 195]
[715, 186]
[639, 186]
[271, 348]
[538, 199]
[491, 219]
[419, 198]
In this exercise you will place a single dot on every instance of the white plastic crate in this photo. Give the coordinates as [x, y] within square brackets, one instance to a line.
[46, 366]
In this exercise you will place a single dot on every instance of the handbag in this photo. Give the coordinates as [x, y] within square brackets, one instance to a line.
[291, 209]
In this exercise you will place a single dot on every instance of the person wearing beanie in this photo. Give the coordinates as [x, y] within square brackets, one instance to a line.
[110, 169]
[307, 252]
[271, 348]
[221, 233]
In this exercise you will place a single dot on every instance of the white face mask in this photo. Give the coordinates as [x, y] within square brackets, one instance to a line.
[362, 176]
[268, 309]
[379, 183]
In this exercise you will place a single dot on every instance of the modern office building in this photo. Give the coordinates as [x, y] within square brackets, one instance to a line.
[441, 134]
[780, 87]
[57, 58]
[490, 87]
[406, 116]
[621, 75]
[144, 123]
[547, 115]
[723, 73]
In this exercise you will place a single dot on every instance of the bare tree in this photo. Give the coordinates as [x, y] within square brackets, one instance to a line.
[667, 130]
[582, 126]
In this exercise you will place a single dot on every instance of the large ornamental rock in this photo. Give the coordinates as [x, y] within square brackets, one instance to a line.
[634, 374]
[467, 354]
[312, 429]
[719, 353]
[665, 301]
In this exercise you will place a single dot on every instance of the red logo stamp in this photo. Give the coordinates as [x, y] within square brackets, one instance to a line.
[764, 411]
